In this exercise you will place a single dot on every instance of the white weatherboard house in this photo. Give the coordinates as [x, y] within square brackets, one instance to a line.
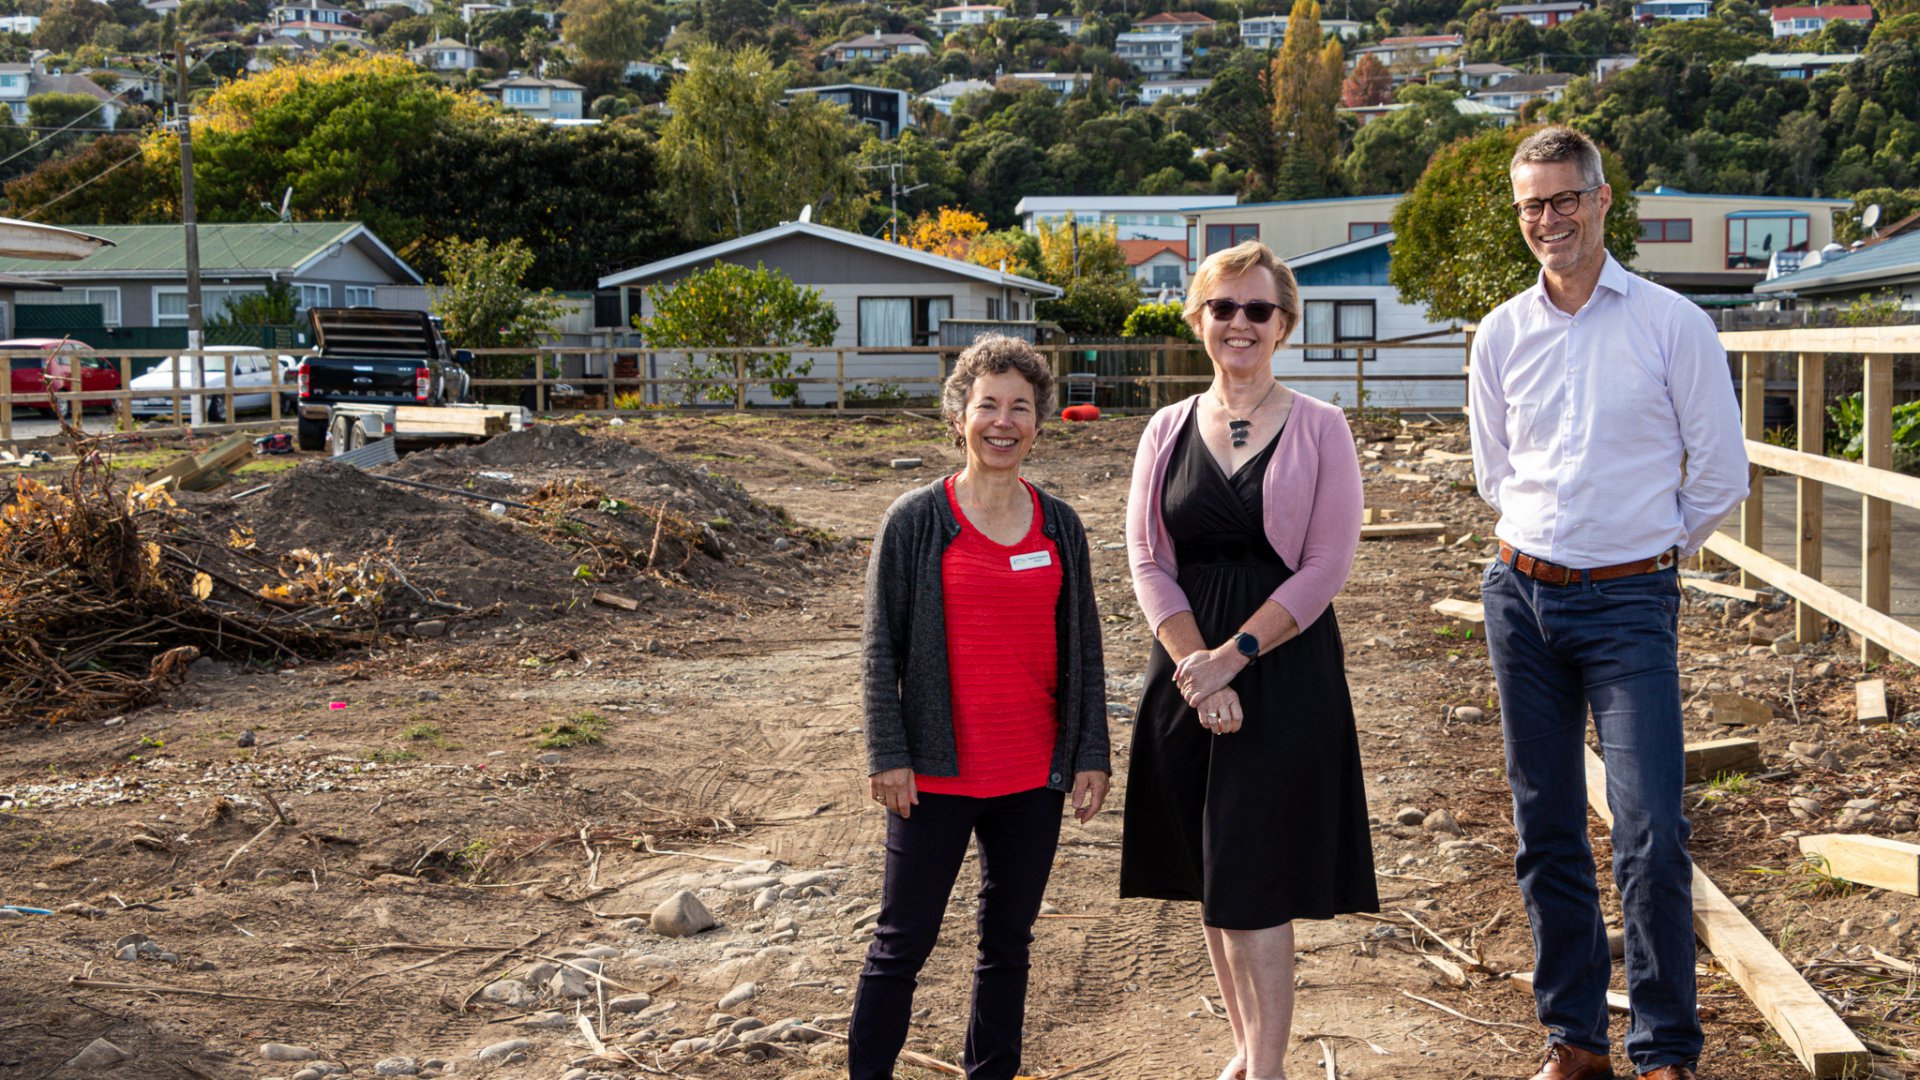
[886, 295]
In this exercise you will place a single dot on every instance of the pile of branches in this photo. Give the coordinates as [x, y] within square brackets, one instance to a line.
[109, 591]
[612, 534]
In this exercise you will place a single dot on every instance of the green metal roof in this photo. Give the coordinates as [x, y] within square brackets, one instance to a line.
[231, 247]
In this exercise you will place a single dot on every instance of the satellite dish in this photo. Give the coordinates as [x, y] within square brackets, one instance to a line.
[284, 212]
[1871, 218]
[806, 213]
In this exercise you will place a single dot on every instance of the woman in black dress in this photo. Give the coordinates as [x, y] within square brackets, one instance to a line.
[1244, 791]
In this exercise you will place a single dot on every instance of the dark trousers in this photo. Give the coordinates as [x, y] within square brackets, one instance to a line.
[1018, 836]
[1614, 646]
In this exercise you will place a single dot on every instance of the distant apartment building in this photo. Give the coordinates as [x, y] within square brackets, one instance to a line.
[1795, 21]
[316, 20]
[879, 107]
[1155, 55]
[1134, 217]
[876, 48]
[1671, 10]
[1800, 65]
[1268, 31]
[961, 16]
[1543, 15]
[1184, 23]
[1151, 92]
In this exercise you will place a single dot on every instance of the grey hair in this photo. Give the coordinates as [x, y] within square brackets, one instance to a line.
[1561, 143]
[994, 354]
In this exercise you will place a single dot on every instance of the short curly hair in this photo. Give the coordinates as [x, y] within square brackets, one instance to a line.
[994, 354]
[1230, 264]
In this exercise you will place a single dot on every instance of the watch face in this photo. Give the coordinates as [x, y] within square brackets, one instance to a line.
[1247, 644]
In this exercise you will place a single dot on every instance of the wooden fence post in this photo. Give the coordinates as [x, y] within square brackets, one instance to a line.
[613, 386]
[1876, 515]
[840, 380]
[1359, 381]
[1753, 423]
[125, 405]
[1811, 423]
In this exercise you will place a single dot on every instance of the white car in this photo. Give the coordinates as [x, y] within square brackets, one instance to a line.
[252, 382]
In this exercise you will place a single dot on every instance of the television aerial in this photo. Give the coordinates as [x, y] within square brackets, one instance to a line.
[1871, 218]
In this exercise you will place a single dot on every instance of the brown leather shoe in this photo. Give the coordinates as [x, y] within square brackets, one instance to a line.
[1669, 1072]
[1572, 1063]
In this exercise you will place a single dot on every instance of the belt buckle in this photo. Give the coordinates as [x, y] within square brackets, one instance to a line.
[1562, 575]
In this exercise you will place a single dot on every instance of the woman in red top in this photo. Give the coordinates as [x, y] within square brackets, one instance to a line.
[985, 706]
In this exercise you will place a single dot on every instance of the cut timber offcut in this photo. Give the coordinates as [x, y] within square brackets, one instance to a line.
[1869, 860]
[1870, 700]
[1706, 760]
[1401, 528]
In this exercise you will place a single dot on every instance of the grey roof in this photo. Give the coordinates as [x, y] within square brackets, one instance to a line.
[1895, 258]
[1521, 84]
[870, 41]
[957, 88]
[528, 80]
[66, 84]
[1535, 9]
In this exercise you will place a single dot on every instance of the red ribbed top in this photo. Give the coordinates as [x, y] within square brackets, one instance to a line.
[1002, 659]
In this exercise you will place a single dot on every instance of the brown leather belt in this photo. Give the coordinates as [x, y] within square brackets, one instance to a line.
[1542, 570]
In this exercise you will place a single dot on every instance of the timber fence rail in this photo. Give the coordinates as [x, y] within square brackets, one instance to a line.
[1872, 478]
[120, 402]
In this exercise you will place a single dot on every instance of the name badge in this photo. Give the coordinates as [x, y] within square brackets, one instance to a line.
[1033, 560]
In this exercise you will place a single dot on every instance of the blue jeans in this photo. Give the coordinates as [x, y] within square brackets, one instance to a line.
[1612, 645]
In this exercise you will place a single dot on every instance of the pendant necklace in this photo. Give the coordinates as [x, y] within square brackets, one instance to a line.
[1237, 429]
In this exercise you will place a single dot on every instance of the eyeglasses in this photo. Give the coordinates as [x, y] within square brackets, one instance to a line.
[1258, 311]
[1564, 204]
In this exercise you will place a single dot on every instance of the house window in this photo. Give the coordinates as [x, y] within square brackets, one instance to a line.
[1360, 230]
[1337, 320]
[1753, 236]
[108, 299]
[566, 95]
[1193, 249]
[360, 296]
[170, 302]
[1222, 237]
[522, 95]
[1165, 277]
[312, 296]
[906, 321]
[1666, 230]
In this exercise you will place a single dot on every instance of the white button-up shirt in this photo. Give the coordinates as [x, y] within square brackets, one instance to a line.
[1608, 435]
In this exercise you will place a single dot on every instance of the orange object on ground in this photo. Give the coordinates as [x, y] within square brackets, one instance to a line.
[1080, 412]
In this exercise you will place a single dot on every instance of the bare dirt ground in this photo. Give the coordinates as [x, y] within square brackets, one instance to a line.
[410, 825]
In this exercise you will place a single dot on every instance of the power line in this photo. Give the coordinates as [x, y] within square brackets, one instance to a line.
[31, 214]
[64, 127]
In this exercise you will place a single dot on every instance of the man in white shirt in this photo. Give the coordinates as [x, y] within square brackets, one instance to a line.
[1606, 433]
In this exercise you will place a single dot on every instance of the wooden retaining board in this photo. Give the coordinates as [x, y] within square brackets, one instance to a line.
[1823, 1042]
[1869, 860]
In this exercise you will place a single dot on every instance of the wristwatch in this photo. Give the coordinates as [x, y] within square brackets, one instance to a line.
[1248, 645]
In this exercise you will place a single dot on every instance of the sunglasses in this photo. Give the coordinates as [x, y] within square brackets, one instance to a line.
[1258, 311]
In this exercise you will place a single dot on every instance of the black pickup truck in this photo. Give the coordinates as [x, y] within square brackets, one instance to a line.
[375, 356]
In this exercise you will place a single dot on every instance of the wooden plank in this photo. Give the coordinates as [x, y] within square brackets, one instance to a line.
[1809, 494]
[1740, 710]
[1753, 427]
[1869, 860]
[1902, 640]
[1876, 515]
[1706, 760]
[1822, 1041]
[1716, 588]
[198, 472]
[1402, 528]
[1446, 456]
[1879, 483]
[615, 600]
[1616, 1001]
[1460, 611]
[1870, 700]
[1848, 339]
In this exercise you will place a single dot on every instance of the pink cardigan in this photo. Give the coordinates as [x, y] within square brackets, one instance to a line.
[1312, 500]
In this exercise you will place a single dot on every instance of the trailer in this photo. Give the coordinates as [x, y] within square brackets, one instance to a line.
[352, 427]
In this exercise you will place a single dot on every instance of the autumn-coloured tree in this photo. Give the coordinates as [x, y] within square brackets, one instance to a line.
[1370, 84]
[1306, 89]
[948, 231]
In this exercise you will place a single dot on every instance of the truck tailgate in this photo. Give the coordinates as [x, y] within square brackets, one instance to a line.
[343, 379]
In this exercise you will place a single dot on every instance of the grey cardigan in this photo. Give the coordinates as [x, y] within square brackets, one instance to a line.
[909, 707]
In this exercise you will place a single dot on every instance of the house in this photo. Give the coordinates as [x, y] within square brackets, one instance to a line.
[142, 279]
[319, 20]
[1265, 32]
[961, 16]
[1184, 23]
[1464, 106]
[876, 48]
[1410, 57]
[1069, 23]
[1795, 21]
[883, 108]
[418, 7]
[24, 25]
[130, 86]
[39, 82]
[542, 99]
[1608, 66]
[1151, 92]
[445, 54]
[13, 89]
[269, 51]
[1800, 65]
[161, 8]
[943, 97]
[1543, 15]
[1835, 277]
[1345, 296]
[886, 295]
[1647, 11]
[642, 69]
[1159, 265]
[1520, 89]
[1134, 217]
[472, 11]
[1472, 77]
[1062, 83]
[1157, 56]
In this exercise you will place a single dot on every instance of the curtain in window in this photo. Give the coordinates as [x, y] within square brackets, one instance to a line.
[1355, 322]
[1318, 328]
[886, 323]
[939, 310]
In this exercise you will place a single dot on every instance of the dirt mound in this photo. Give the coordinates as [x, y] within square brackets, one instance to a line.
[604, 514]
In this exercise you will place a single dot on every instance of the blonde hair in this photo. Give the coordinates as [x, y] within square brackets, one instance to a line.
[1234, 262]
[994, 354]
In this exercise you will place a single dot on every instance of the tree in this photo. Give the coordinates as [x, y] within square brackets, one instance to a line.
[612, 30]
[1241, 106]
[278, 306]
[1157, 321]
[1390, 153]
[948, 231]
[1457, 243]
[483, 305]
[730, 306]
[1894, 204]
[1086, 262]
[69, 24]
[111, 179]
[1370, 84]
[742, 156]
[1306, 89]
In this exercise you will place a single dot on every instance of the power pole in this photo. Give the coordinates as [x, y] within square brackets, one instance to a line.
[196, 339]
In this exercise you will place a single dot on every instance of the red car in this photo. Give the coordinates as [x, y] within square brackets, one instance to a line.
[31, 375]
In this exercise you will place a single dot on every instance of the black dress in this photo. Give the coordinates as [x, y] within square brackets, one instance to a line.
[1268, 824]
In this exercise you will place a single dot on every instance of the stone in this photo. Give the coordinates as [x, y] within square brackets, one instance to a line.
[867, 918]
[568, 983]
[803, 879]
[509, 992]
[768, 897]
[689, 1046]
[629, 1003]
[1441, 821]
[681, 915]
[1804, 808]
[246, 739]
[396, 1066]
[85, 911]
[752, 884]
[550, 759]
[1863, 805]
[905, 463]
[739, 995]
[500, 1051]
[541, 972]
[746, 1024]
[430, 628]
[99, 1054]
[1410, 815]
[1616, 942]
[1467, 714]
[286, 1052]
